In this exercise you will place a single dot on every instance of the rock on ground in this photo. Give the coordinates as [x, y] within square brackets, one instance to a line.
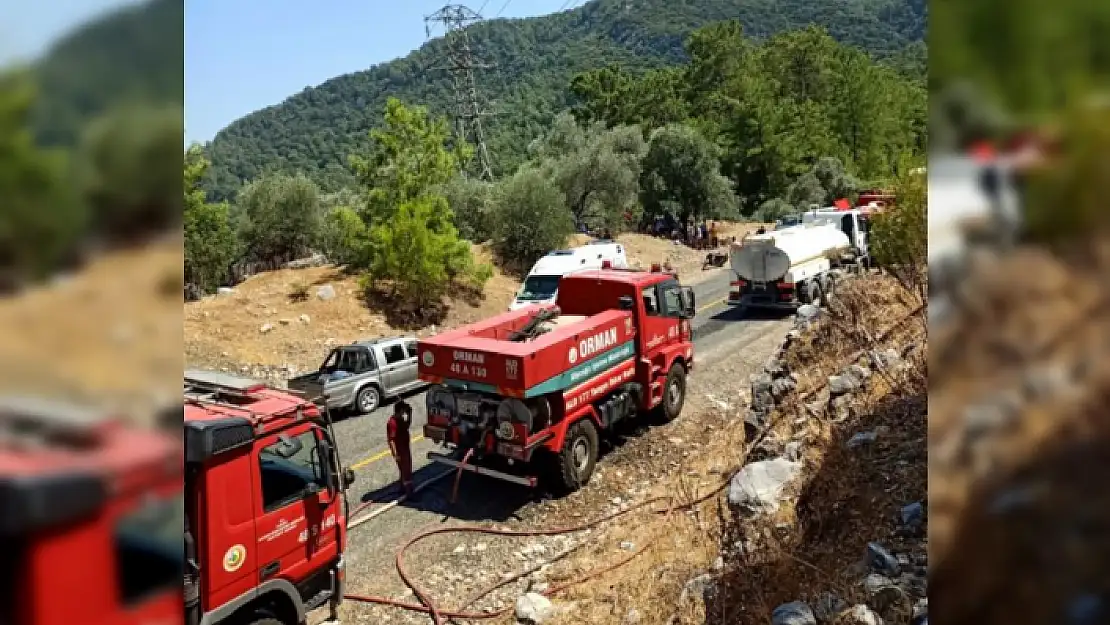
[862, 615]
[326, 292]
[793, 613]
[759, 485]
[533, 608]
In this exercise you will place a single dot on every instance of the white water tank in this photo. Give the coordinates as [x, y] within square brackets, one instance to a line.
[768, 257]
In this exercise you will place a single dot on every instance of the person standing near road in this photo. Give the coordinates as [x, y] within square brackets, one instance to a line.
[397, 433]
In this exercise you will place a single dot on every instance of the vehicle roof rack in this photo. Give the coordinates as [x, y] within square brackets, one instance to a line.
[46, 421]
[215, 383]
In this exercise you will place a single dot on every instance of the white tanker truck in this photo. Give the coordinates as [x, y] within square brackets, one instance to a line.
[798, 264]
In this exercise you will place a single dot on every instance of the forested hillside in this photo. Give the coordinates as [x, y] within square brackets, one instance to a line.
[133, 55]
[314, 131]
[90, 141]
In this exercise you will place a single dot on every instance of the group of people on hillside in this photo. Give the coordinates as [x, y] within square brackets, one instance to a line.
[698, 236]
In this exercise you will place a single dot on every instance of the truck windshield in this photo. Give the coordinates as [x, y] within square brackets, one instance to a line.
[537, 288]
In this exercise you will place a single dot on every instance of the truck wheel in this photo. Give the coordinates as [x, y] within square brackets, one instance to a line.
[265, 619]
[578, 456]
[674, 393]
[813, 293]
[368, 399]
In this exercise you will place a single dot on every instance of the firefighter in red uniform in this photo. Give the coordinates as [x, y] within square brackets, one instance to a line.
[397, 432]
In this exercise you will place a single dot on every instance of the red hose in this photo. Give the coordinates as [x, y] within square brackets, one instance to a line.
[458, 475]
[438, 615]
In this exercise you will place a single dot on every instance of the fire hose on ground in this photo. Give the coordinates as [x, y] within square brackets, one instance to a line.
[440, 615]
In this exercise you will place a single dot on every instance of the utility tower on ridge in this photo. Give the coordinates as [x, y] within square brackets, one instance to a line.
[461, 64]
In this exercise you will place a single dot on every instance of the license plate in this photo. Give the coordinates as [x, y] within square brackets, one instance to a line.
[759, 287]
[469, 408]
[510, 451]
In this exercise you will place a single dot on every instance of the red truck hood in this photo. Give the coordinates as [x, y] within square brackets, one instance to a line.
[480, 356]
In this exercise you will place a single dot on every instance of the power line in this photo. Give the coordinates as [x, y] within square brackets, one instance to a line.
[503, 7]
[461, 65]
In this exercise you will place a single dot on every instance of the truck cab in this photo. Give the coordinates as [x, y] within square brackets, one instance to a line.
[538, 385]
[855, 223]
[265, 506]
[90, 515]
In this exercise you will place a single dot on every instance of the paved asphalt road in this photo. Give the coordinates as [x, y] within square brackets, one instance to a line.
[362, 442]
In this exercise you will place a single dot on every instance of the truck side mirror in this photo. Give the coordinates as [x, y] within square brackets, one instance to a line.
[626, 302]
[348, 477]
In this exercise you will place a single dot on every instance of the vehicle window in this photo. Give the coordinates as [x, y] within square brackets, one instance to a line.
[394, 353]
[150, 549]
[366, 361]
[410, 348]
[348, 360]
[331, 362]
[672, 301]
[651, 301]
[288, 480]
[536, 288]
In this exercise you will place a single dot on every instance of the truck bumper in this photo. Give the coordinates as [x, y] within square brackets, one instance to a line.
[529, 481]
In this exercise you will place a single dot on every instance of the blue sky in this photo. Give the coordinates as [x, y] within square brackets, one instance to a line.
[243, 55]
[28, 27]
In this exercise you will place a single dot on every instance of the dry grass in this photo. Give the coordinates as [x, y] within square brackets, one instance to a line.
[110, 335]
[1018, 530]
[225, 330]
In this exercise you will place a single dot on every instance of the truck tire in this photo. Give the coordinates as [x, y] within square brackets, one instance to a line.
[578, 457]
[674, 393]
[368, 399]
[266, 620]
[813, 293]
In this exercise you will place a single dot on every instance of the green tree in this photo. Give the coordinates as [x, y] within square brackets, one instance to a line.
[681, 174]
[209, 240]
[899, 237]
[596, 169]
[409, 160]
[41, 224]
[531, 219]
[127, 171]
[835, 180]
[472, 203]
[280, 217]
[806, 192]
[413, 248]
[774, 209]
[603, 96]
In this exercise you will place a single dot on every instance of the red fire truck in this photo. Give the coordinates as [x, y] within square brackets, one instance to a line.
[90, 518]
[542, 382]
[265, 506]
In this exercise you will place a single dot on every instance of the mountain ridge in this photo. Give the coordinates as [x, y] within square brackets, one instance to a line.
[314, 130]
